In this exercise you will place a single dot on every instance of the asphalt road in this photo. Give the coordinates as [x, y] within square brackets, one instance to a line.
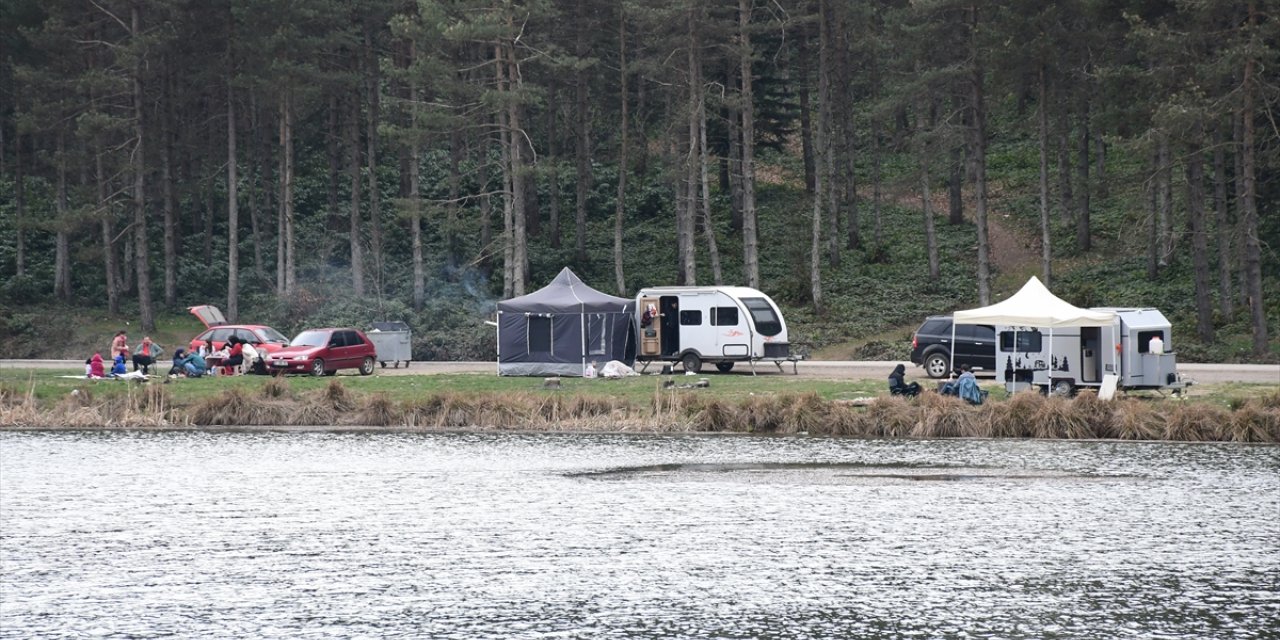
[825, 369]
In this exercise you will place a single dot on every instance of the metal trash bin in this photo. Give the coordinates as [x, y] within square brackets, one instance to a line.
[392, 342]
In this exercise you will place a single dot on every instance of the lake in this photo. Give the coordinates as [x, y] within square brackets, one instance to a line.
[490, 535]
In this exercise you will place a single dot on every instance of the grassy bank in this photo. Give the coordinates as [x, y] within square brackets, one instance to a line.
[768, 405]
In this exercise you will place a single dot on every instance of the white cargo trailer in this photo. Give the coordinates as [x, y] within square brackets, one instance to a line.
[718, 325]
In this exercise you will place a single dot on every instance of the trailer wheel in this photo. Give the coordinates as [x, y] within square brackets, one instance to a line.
[1063, 388]
[691, 362]
[724, 367]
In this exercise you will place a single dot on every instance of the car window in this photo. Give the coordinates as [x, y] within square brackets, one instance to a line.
[204, 337]
[963, 331]
[935, 327]
[351, 339]
[220, 335]
[984, 332]
[310, 339]
[267, 334]
[245, 335]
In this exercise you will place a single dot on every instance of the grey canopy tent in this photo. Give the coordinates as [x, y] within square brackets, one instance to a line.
[561, 327]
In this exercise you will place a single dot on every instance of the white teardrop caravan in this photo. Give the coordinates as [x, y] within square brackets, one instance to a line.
[710, 325]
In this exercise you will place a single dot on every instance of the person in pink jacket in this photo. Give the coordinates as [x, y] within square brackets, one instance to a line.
[95, 366]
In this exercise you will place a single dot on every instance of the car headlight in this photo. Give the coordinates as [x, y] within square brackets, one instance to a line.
[299, 357]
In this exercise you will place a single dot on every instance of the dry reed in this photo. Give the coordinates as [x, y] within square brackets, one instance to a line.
[1194, 423]
[889, 417]
[1133, 419]
[1015, 417]
[1057, 419]
[1252, 423]
[943, 417]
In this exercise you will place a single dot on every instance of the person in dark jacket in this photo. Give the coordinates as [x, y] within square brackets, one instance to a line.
[899, 387]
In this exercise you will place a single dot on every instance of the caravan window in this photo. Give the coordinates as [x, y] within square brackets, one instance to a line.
[724, 316]
[766, 319]
[539, 334]
[691, 318]
[595, 334]
[1028, 341]
[1144, 340]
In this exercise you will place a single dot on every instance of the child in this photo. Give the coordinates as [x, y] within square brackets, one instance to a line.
[95, 369]
[117, 369]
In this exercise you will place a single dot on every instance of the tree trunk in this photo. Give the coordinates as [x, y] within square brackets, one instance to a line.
[452, 251]
[520, 246]
[108, 233]
[1153, 216]
[1083, 240]
[552, 160]
[955, 186]
[1199, 242]
[1100, 165]
[1222, 227]
[582, 131]
[169, 203]
[286, 193]
[20, 210]
[353, 210]
[333, 154]
[372, 88]
[926, 205]
[486, 208]
[1066, 199]
[686, 225]
[1165, 199]
[145, 311]
[1046, 260]
[806, 109]
[980, 169]
[233, 210]
[709, 228]
[415, 188]
[62, 248]
[877, 224]
[750, 249]
[820, 179]
[733, 167]
[619, 275]
[259, 184]
[1252, 247]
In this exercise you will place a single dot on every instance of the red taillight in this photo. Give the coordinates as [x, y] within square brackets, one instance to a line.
[915, 341]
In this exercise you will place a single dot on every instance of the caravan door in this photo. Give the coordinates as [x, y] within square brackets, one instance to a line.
[669, 325]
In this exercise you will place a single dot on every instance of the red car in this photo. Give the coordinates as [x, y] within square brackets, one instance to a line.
[261, 336]
[324, 352]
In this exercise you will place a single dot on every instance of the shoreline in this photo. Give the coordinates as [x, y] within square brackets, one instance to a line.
[276, 407]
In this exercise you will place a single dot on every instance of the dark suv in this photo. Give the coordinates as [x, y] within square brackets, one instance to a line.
[931, 346]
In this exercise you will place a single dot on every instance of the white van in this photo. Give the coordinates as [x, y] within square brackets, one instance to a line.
[718, 325]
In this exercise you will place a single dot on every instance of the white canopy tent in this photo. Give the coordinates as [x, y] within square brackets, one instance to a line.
[1032, 306]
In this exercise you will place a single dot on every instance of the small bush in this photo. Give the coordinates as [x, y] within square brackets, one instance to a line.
[1057, 418]
[277, 387]
[336, 396]
[1252, 423]
[1194, 423]
[890, 417]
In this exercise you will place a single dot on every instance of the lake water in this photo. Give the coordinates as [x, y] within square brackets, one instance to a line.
[316, 535]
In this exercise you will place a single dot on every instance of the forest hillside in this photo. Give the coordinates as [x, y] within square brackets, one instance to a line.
[866, 164]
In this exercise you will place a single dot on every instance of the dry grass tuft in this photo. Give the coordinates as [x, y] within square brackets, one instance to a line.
[1134, 419]
[229, 408]
[1097, 413]
[1057, 418]
[1016, 417]
[889, 417]
[1270, 400]
[1194, 423]
[943, 417]
[155, 398]
[277, 387]
[716, 415]
[337, 397]
[379, 410]
[805, 413]
[765, 414]
[1252, 423]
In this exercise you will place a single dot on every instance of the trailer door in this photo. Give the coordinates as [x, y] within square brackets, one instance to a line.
[669, 325]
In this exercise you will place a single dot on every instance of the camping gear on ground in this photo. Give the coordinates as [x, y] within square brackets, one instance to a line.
[717, 325]
[561, 327]
[392, 341]
[1045, 342]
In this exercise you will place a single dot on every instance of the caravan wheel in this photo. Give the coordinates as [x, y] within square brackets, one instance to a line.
[724, 367]
[691, 362]
[1063, 388]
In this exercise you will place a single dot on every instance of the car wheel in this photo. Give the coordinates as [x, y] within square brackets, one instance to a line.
[366, 366]
[936, 365]
[691, 362]
[317, 367]
[724, 367]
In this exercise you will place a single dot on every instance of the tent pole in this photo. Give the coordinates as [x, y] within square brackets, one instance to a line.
[1049, 379]
[951, 366]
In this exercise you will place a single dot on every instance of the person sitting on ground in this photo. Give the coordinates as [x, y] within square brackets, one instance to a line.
[235, 356]
[967, 386]
[179, 356]
[96, 370]
[117, 368]
[194, 365]
[148, 353]
[250, 354]
[899, 387]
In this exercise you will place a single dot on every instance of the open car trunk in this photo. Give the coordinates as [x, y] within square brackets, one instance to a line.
[208, 314]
